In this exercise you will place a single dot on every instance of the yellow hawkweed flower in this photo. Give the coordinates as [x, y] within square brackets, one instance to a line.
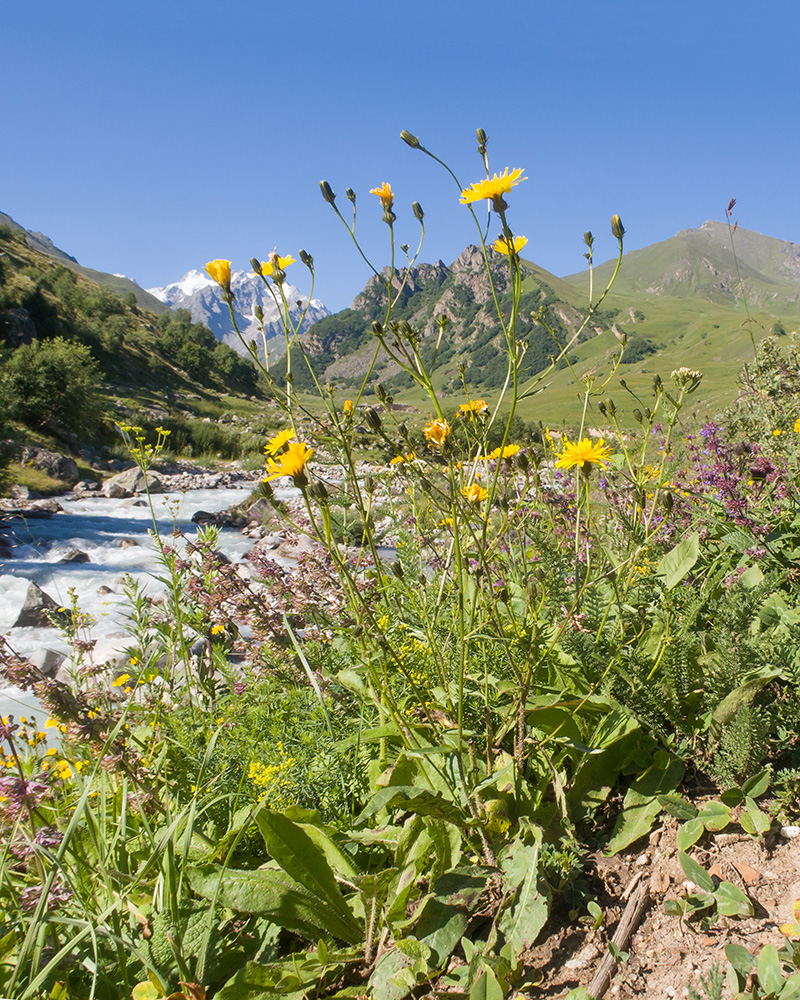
[290, 463]
[507, 452]
[408, 457]
[584, 453]
[473, 408]
[475, 493]
[777, 432]
[347, 409]
[797, 427]
[216, 629]
[493, 189]
[274, 445]
[503, 245]
[220, 271]
[437, 432]
[384, 192]
[275, 263]
[122, 679]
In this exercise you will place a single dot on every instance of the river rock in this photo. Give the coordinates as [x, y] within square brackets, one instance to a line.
[131, 481]
[48, 661]
[73, 555]
[127, 543]
[5, 548]
[54, 464]
[37, 608]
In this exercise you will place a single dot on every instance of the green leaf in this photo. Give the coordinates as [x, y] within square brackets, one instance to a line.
[410, 798]
[714, 816]
[696, 872]
[770, 977]
[756, 786]
[676, 563]
[731, 901]
[641, 804]
[677, 806]
[275, 895]
[305, 861]
[753, 820]
[522, 921]
[146, 991]
[486, 987]
[440, 927]
[689, 833]
[386, 980]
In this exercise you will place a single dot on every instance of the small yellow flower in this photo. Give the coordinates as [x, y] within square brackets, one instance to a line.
[122, 679]
[409, 457]
[475, 493]
[220, 271]
[473, 408]
[584, 453]
[507, 452]
[216, 629]
[347, 409]
[291, 462]
[777, 432]
[133, 660]
[384, 192]
[503, 245]
[437, 432]
[493, 189]
[275, 263]
[797, 426]
[275, 444]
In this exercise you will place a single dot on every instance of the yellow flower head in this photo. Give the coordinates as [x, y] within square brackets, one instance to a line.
[275, 444]
[473, 408]
[493, 189]
[220, 271]
[437, 432]
[797, 427]
[216, 629]
[475, 493]
[275, 263]
[384, 192]
[347, 409]
[777, 432]
[584, 453]
[504, 245]
[122, 679]
[507, 452]
[409, 457]
[290, 463]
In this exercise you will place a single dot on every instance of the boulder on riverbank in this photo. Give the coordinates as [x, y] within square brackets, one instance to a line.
[38, 609]
[54, 464]
[130, 482]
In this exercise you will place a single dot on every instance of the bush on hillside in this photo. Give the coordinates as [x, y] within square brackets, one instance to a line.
[51, 382]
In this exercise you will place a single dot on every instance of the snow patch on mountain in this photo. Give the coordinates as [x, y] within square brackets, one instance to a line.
[202, 296]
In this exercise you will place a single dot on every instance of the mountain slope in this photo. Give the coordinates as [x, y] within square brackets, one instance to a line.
[700, 262]
[116, 283]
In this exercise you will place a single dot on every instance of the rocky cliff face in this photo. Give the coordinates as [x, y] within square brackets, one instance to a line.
[202, 297]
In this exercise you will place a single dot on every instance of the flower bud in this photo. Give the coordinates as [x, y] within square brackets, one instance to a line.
[617, 229]
[482, 138]
[404, 247]
[637, 413]
[351, 195]
[668, 501]
[409, 139]
[397, 569]
[647, 412]
[380, 392]
[657, 383]
[327, 192]
[588, 238]
[255, 263]
[258, 312]
[265, 490]
[377, 329]
[416, 208]
[522, 462]
[356, 631]
[611, 407]
[318, 491]
[601, 406]
[373, 419]
[306, 259]
[369, 484]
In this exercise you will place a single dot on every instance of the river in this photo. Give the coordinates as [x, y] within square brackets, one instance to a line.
[116, 536]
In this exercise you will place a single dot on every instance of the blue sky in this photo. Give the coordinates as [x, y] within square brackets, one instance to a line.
[146, 138]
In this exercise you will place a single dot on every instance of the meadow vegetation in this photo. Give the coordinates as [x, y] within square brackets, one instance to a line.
[390, 787]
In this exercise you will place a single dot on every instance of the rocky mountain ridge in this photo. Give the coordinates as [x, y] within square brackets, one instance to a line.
[202, 297]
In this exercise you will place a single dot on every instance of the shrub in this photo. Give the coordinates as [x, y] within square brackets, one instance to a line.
[51, 382]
